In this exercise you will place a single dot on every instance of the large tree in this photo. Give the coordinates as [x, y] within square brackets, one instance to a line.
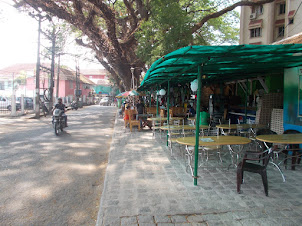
[127, 34]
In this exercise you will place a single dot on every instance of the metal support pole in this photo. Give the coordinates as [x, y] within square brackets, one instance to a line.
[199, 77]
[246, 98]
[168, 113]
[77, 84]
[157, 102]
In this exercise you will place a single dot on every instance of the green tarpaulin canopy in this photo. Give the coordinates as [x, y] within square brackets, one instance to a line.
[221, 63]
[217, 64]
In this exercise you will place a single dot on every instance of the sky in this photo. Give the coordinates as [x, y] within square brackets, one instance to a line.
[19, 38]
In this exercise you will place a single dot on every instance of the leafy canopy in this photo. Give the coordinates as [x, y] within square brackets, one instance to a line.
[170, 27]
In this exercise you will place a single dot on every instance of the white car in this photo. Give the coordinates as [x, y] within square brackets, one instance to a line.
[6, 104]
[104, 101]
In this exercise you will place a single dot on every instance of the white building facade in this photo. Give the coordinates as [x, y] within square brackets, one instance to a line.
[265, 24]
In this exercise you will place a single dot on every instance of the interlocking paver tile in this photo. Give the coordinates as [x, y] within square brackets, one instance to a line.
[179, 219]
[128, 220]
[142, 179]
[145, 219]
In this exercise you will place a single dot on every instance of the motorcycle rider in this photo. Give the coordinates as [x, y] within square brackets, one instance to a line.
[61, 106]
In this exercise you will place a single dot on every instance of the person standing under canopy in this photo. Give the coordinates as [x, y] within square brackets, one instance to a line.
[140, 108]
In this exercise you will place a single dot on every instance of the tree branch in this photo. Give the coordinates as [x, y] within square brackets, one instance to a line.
[225, 10]
[134, 20]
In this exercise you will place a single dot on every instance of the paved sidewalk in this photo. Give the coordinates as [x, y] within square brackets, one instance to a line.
[144, 185]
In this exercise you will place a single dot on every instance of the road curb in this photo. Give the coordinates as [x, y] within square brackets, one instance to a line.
[99, 221]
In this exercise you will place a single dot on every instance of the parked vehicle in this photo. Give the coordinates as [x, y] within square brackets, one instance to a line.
[74, 105]
[104, 101]
[5, 103]
[28, 102]
[58, 121]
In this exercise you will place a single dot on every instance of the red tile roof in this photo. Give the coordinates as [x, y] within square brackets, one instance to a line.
[29, 70]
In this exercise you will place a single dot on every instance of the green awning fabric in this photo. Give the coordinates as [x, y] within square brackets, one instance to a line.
[221, 63]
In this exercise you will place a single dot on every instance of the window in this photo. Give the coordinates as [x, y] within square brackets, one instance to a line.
[282, 9]
[1, 85]
[280, 31]
[70, 84]
[291, 21]
[256, 32]
[258, 9]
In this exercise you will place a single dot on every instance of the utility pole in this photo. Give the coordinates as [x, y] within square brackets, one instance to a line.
[13, 104]
[37, 106]
[58, 77]
[52, 69]
[77, 91]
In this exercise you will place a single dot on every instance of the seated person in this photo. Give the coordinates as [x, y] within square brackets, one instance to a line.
[126, 117]
[204, 117]
[191, 111]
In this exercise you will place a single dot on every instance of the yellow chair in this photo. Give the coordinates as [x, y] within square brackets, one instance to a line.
[133, 122]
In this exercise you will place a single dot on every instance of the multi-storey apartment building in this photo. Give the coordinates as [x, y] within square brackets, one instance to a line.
[265, 24]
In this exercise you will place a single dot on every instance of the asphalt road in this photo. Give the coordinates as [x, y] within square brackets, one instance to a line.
[54, 180]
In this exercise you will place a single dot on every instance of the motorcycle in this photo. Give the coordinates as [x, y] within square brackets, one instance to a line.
[74, 105]
[58, 121]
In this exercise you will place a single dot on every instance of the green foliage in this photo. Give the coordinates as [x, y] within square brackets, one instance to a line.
[170, 23]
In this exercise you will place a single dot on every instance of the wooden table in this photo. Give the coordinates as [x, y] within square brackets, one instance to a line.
[215, 141]
[284, 139]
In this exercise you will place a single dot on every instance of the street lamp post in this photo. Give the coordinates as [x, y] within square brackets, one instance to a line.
[132, 72]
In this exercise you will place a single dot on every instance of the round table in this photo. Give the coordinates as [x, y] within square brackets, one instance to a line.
[182, 127]
[216, 140]
[281, 139]
[244, 126]
[206, 141]
[165, 119]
